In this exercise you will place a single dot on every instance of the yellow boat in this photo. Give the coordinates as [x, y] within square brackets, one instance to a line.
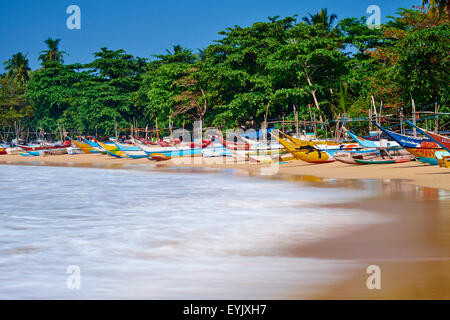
[307, 153]
[112, 150]
[86, 148]
[301, 143]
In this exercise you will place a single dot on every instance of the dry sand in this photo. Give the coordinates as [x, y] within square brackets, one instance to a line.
[413, 251]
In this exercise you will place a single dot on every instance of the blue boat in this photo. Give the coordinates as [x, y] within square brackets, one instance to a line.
[371, 143]
[404, 140]
[423, 148]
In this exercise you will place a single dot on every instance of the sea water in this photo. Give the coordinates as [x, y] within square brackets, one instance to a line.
[171, 234]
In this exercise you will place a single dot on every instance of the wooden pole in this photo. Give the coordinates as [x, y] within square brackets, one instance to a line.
[414, 116]
[402, 129]
[170, 128]
[157, 131]
[296, 122]
[436, 118]
[146, 133]
[115, 128]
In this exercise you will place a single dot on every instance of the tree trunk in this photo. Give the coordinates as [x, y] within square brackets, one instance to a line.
[313, 92]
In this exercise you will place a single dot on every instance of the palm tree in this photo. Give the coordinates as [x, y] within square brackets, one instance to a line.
[17, 68]
[53, 53]
[321, 18]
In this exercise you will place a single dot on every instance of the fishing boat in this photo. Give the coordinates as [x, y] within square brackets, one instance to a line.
[306, 153]
[45, 146]
[232, 145]
[374, 157]
[137, 153]
[442, 141]
[84, 147]
[166, 155]
[74, 150]
[111, 150]
[424, 148]
[14, 150]
[3, 150]
[349, 157]
[189, 149]
[327, 146]
[48, 152]
[381, 160]
[443, 158]
[366, 143]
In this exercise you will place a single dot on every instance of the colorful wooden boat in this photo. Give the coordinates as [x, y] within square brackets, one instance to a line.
[43, 147]
[133, 154]
[380, 160]
[327, 146]
[3, 151]
[232, 145]
[305, 153]
[443, 158]
[111, 150]
[424, 148]
[14, 150]
[85, 147]
[166, 155]
[372, 143]
[442, 141]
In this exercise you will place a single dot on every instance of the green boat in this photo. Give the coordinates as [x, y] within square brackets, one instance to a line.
[383, 161]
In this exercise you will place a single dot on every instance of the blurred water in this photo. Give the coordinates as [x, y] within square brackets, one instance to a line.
[162, 234]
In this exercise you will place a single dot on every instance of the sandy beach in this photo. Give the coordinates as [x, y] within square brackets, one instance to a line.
[412, 250]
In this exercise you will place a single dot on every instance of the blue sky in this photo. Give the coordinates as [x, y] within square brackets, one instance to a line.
[146, 27]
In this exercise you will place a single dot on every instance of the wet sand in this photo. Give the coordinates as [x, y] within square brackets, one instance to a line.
[412, 250]
[416, 173]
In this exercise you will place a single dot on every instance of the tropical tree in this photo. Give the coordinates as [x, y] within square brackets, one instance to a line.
[53, 53]
[17, 68]
[439, 6]
[321, 18]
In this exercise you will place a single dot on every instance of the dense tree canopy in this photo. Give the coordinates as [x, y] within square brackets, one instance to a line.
[318, 66]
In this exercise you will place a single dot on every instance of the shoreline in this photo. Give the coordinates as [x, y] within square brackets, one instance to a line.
[412, 249]
[415, 173]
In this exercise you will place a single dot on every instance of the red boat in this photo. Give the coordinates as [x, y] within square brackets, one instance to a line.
[441, 140]
[232, 145]
[45, 147]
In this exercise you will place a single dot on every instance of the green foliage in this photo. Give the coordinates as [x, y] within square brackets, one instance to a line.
[52, 54]
[17, 69]
[251, 74]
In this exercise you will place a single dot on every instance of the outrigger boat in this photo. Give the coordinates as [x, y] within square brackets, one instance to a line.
[111, 150]
[306, 153]
[86, 147]
[442, 141]
[330, 147]
[423, 148]
[372, 143]
[131, 153]
[443, 157]
[179, 150]
[375, 157]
